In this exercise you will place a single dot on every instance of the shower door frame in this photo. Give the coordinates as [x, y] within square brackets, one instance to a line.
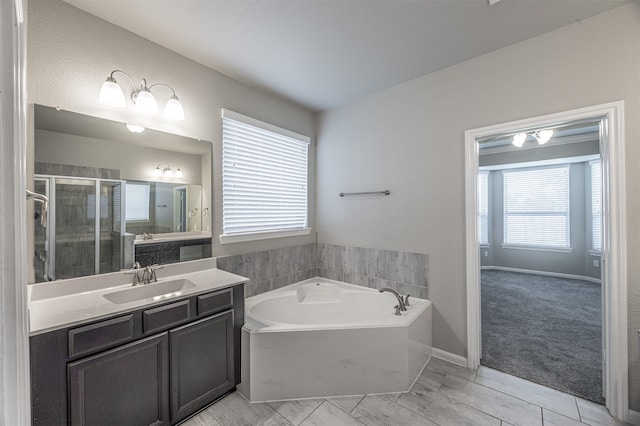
[50, 246]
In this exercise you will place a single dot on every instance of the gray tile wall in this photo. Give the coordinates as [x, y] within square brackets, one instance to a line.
[272, 269]
[404, 272]
[76, 171]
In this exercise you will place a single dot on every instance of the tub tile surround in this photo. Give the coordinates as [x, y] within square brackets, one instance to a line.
[272, 269]
[405, 272]
[456, 396]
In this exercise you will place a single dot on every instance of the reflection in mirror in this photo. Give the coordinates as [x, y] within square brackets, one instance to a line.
[160, 207]
[111, 189]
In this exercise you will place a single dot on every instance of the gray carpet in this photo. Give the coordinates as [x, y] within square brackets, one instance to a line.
[543, 329]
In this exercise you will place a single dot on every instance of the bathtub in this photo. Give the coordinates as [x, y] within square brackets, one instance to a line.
[325, 338]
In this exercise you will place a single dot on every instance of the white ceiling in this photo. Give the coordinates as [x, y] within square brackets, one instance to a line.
[326, 53]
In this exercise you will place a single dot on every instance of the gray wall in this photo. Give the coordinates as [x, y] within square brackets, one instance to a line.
[410, 139]
[573, 263]
[545, 152]
[134, 162]
[70, 53]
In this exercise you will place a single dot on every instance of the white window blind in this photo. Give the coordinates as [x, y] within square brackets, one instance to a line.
[536, 207]
[137, 201]
[483, 207]
[264, 177]
[596, 205]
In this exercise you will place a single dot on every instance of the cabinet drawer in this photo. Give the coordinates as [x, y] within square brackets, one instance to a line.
[100, 335]
[215, 302]
[163, 317]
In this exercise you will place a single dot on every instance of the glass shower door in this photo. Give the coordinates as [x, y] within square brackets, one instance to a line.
[110, 235]
[41, 254]
[74, 232]
[84, 232]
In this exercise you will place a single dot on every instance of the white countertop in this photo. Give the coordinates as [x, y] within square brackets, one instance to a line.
[62, 303]
[172, 236]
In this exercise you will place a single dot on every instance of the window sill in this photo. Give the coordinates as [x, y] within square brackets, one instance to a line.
[535, 248]
[255, 236]
[595, 253]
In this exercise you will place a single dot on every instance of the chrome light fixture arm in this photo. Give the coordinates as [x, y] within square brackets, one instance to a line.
[111, 94]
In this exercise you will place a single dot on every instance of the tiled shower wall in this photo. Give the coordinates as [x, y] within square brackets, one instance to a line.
[404, 272]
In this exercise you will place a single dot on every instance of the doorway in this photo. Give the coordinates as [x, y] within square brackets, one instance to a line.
[614, 308]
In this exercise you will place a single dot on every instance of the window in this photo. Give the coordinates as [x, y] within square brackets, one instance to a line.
[596, 205]
[536, 207]
[264, 180]
[137, 202]
[483, 207]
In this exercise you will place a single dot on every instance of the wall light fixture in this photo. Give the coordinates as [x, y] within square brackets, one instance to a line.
[167, 172]
[542, 136]
[111, 94]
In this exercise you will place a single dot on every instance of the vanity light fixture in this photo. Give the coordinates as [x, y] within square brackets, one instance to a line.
[542, 136]
[111, 94]
[165, 171]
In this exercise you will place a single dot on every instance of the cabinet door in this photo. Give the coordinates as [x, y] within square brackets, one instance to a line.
[201, 363]
[124, 386]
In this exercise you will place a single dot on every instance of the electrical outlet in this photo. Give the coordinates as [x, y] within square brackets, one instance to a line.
[596, 263]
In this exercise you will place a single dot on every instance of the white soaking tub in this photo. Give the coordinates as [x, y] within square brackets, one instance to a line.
[324, 338]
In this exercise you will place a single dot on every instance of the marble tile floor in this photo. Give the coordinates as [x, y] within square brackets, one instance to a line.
[444, 394]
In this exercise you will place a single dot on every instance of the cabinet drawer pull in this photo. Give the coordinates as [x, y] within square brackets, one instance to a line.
[163, 317]
[100, 335]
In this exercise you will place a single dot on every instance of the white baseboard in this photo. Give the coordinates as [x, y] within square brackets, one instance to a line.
[448, 356]
[634, 418]
[545, 273]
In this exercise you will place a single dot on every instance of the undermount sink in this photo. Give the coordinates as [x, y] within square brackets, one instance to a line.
[155, 291]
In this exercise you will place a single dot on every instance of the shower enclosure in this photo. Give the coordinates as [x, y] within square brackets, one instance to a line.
[83, 233]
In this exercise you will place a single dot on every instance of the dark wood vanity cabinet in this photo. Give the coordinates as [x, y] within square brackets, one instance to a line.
[154, 366]
[201, 363]
[126, 386]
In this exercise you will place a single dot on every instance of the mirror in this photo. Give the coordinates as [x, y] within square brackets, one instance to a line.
[162, 207]
[115, 196]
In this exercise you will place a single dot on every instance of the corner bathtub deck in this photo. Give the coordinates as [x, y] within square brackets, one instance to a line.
[324, 338]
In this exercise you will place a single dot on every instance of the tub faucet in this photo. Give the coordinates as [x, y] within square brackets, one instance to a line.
[401, 306]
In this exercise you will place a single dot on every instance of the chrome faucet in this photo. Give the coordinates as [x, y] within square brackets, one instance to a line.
[136, 274]
[401, 306]
[149, 275]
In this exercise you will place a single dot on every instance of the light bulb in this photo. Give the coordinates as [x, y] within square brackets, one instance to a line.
[518, 140]
[174, 110]
[146, 102]
[134, 128]
[111, 94]
[543, 136]
[157, 171]
[167, 172]
[178, 173]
